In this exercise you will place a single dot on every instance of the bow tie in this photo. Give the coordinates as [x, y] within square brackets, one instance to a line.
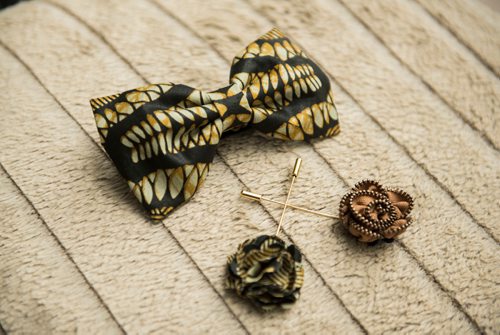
[163, 137]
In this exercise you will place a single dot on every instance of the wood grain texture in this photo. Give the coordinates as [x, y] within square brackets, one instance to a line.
[474, 24]
[433, 54]
[442, 277]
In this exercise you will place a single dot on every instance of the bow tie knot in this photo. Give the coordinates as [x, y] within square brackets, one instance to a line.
[162, 137]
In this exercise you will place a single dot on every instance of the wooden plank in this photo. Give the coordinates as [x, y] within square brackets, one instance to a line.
[473, 24]
[445, 65]
[443, 301]
[147, 280]
[35, 272]
[208, 250]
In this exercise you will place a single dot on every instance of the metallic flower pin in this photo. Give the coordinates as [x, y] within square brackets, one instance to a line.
[369, 211]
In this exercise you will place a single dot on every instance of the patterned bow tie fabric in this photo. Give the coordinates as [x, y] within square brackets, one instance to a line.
[163, 137]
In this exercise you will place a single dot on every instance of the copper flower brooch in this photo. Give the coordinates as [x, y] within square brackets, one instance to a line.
[371, 212]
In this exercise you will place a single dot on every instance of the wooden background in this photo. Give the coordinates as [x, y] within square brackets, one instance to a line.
[417, 89]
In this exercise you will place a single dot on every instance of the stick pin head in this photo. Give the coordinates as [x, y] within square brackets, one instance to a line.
[296, 168]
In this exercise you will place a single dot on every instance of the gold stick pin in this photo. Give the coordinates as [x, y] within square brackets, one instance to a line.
[295, 173]
[260, 198]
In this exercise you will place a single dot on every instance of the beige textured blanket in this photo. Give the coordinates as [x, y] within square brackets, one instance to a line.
[418, 93]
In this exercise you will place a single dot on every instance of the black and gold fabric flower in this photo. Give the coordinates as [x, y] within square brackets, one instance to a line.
[371, 212]
[266, 271]
[162, 137]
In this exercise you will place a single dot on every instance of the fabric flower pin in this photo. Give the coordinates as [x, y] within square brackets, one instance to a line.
[265, 269]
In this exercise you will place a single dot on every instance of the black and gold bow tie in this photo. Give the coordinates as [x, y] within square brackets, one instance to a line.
[163, 137]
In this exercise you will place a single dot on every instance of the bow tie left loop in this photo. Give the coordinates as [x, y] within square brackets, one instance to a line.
[162, 137]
